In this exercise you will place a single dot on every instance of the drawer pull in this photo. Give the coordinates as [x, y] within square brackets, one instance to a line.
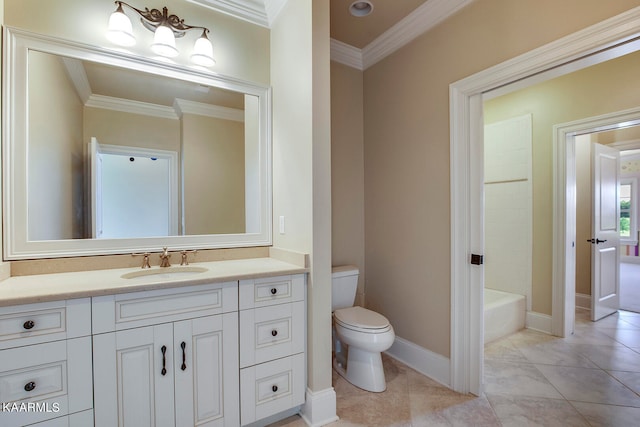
[163, 349]
[274, 333]
[29, 324]
[274, 388]
[183, 345]
[30, 386]
[274, 291]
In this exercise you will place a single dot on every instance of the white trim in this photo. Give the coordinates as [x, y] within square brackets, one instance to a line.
[538, 322]
[182, 106]
[630, 259]
[428, 363]
[320, 407]
[466, 356]
[78, 76]
[418, 22]
[346, 54]
[583, 301]
[262, 13]
[131, 106]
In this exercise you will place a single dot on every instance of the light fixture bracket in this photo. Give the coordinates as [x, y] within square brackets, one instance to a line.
[151, 19]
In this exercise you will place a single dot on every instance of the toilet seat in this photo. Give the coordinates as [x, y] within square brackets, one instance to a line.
[362, 320]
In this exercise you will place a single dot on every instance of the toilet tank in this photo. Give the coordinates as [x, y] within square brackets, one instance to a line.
[344, 283]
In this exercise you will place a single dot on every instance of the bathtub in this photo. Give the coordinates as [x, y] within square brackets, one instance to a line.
[504, 314]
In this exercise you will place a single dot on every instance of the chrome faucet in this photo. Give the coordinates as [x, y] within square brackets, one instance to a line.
[164, 258]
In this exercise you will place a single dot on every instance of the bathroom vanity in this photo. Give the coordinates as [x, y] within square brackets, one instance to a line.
[220, 345]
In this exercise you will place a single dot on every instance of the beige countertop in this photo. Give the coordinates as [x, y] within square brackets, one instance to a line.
[58, 286]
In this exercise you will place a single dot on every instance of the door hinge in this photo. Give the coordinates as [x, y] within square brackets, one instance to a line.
[477, 259]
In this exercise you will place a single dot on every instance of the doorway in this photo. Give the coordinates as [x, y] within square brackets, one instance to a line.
[611, 38]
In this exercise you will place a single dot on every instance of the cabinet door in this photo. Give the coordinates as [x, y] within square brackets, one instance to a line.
[131, 387]
[206, 371]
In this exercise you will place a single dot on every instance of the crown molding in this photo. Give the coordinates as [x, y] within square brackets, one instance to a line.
[421, 20]
[78, 76]
[129, 106]
[183, 106]
[346, 54]
[259, 12]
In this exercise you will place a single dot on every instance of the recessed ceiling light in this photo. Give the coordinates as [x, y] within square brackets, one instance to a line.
[361, 8]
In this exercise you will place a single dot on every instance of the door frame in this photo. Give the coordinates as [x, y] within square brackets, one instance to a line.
[564, 212]
[606, 40]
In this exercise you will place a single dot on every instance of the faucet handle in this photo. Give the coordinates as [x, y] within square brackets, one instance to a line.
[145, 259]
[184, 260]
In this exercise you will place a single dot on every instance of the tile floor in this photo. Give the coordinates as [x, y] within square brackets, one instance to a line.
[630, 286]
[531, 379]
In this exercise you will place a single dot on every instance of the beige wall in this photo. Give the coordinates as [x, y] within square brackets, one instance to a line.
[406, 120]
[213, 171]
[347, 171]
[56, 156]
[597, 90]
[133, 130]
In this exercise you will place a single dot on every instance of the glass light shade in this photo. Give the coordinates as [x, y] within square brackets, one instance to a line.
[119, 30]
[164, 42]
[203, 52]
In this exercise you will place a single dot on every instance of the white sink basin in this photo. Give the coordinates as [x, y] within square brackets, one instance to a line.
[177, 272]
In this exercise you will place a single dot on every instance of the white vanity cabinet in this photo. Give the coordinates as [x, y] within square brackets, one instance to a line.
[167, 357]
[45, 364]
[272, 345]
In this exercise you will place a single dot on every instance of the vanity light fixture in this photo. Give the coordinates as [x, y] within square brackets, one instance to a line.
[166, 29]
[361, 8]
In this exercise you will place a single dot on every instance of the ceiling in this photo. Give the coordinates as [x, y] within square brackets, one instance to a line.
[361, 31]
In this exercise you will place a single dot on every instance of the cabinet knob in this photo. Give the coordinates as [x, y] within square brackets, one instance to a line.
[274, 388]
[274, 333]
[30, 386]
[29, 324]
[274, 291]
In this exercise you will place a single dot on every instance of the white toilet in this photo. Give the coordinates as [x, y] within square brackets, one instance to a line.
[360, 335]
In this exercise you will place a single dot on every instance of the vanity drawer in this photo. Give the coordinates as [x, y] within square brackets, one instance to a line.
[124, 311]
[272, 387]
[271, 291]
[45, 381]
[43, 322]
[269, 333]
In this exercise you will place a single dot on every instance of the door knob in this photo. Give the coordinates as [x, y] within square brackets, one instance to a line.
[596, 241]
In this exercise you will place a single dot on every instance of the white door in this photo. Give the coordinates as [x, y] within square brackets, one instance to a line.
[95, 159]
[605, 236]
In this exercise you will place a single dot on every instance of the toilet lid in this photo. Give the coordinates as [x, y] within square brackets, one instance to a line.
[361, 318]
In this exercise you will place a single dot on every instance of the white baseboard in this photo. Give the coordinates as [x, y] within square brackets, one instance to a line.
[433, 365]
[583, 301]
[538, 322]
[320, 407]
